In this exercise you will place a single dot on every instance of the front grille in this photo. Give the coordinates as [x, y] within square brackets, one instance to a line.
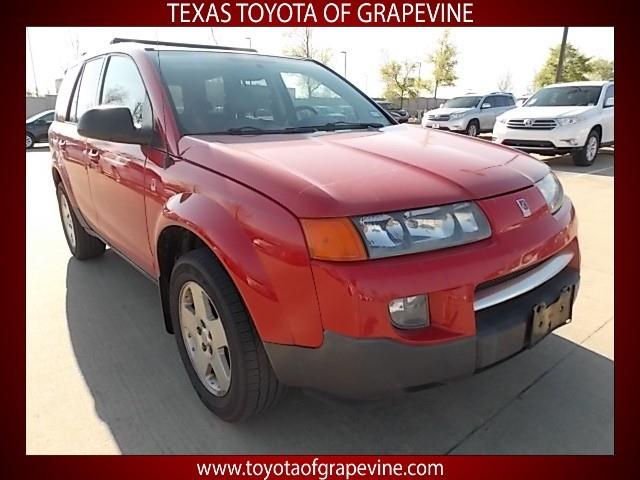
[441, 118]
[528, 143]
[531, 124]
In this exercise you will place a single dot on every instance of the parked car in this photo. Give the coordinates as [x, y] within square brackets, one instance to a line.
[400, 115]
[38, 127]
[574, 118]
[471, 114]
[357, 258]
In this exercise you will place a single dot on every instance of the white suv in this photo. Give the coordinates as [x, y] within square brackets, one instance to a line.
[471, 113]
[574, 117]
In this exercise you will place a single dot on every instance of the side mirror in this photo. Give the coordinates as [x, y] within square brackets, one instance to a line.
[608, 102]
[441, 105]
[486, 105]
[113, 124]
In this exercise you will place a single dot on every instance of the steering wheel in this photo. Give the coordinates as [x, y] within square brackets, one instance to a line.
[300, 108]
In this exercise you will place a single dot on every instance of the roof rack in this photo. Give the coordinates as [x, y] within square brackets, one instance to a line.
[177, 44]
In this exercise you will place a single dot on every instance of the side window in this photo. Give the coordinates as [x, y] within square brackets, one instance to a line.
[65, 93]
[490, 100]
[123, 86]
[47, 118]
[608, 93]
[508, 101]
[88, 91]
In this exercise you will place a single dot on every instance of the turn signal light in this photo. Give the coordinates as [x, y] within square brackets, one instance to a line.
[334, 239]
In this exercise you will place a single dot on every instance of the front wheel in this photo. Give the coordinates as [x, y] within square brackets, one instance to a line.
[31, 140]
[473, 128]
[585, 156]
[218, 344]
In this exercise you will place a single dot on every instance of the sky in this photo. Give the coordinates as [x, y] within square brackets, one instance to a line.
[485, 55]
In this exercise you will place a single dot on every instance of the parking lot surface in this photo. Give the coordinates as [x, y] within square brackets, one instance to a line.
[104, 377]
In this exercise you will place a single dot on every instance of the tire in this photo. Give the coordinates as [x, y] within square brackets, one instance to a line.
[473, 128]
[82, 245]
[31, 140]
[585, 156]
[242, 383]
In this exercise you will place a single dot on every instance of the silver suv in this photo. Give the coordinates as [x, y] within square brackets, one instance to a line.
[471, 114]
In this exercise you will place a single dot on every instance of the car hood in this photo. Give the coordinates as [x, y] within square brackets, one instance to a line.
[358, 172]
[545, 112]
[446, 111]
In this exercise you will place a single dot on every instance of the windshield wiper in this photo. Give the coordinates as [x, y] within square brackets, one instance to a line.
[249, 130]
[348, 126]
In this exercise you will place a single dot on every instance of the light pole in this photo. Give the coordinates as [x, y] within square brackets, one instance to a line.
[248, 38]
[563, 47]
[345, 62]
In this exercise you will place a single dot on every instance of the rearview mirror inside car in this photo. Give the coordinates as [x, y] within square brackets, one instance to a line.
[113, 124]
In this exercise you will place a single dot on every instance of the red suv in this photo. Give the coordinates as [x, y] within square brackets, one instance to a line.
[300, 236]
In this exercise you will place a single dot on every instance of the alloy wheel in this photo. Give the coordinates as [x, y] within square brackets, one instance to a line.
[205, 339]
[592, 148]
[67, 221]
[29, 142]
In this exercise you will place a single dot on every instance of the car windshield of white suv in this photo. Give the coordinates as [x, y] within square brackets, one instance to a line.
[244, 94]
[570, 96]
[462, 102]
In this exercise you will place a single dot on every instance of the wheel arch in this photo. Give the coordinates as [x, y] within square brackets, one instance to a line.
[193, 220]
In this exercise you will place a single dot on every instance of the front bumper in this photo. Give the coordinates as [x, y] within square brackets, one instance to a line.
[457, 125]
[370, 368]
[561, 139]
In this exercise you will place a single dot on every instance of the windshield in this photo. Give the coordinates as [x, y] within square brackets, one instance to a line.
[570, 96]
[215, 92]
[462, 102]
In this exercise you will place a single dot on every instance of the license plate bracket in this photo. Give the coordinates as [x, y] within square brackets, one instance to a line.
[547, 318]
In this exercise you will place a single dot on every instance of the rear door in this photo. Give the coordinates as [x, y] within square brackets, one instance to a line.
[72, 146]
[117, 170]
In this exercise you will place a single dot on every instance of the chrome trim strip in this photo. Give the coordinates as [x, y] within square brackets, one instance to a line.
[521, 284]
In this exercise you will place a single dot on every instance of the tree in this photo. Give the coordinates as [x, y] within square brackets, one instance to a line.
[399, 81]
[601, 69]
[444, 63]
[577, 67]
[504, 82]
[302, 46]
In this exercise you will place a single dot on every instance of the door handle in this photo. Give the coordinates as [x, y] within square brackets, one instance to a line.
[94, 154]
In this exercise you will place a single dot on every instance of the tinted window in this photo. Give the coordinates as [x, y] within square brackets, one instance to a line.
[123, 86]
[88, 88]
[48, 117]
[493, 100]
[213, 92]
[508, 101]
[64, 93]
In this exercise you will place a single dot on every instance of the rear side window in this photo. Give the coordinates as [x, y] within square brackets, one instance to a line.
[507, 101]
[88, 92]
[64, 93]
[124, 87]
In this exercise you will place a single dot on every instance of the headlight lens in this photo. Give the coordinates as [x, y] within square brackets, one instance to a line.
[455, 116]
[413, 231]
[552, 191]
[567, 121]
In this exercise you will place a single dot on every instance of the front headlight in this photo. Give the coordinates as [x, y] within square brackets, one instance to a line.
[567, 121]
[552, 191]
[399, 233]
[455, 116]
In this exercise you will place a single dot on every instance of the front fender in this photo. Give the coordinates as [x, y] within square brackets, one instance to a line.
[262, 247]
